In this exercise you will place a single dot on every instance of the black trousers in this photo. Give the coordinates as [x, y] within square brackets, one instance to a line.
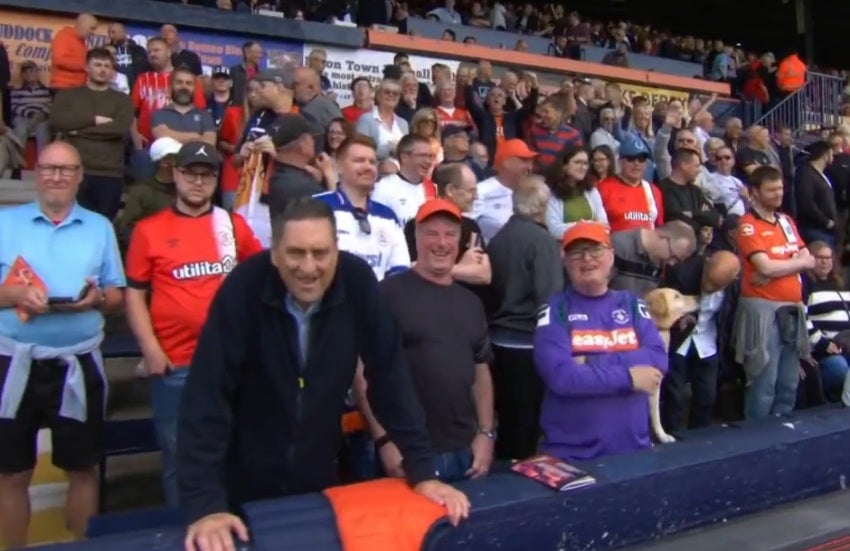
[519, 394]
[102, 194]
[702, 374]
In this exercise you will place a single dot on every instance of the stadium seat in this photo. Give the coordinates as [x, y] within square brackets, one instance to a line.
[125, 437]
[120, 345]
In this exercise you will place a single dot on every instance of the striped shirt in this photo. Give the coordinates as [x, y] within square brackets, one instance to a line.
[27, 101]
[827, 312]
[549, 144]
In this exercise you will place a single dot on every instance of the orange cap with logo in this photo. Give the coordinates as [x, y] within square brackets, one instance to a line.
[587, 231]
[512, 148]
[437, 206]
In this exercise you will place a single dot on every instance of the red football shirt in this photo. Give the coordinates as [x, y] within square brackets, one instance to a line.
[627, 206]
[176, 257]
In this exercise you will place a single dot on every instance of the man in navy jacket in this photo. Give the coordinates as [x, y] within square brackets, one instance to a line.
[266, 390]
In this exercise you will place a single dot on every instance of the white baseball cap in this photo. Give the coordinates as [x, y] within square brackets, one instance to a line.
[162, 147]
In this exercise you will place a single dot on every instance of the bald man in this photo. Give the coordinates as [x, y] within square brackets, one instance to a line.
[131, 60]
[69, 47]
[179, 56]
[61, 270]
[308, 96]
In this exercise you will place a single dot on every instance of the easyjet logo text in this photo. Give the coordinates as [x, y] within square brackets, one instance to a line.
[782, 250]
[618, 340]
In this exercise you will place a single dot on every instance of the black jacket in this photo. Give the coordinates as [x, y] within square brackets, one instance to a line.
[815, 200]
[187, 59]
[131, 60]
[252, 425]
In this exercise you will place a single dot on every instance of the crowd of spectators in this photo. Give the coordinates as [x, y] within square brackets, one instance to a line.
[470, 200]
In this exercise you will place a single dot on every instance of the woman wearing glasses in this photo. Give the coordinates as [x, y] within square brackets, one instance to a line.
[382, 124]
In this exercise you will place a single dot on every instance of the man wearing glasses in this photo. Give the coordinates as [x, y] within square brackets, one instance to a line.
[61, 270]
[598, 354]
[176, 262]
[640, 256]
[630, 201]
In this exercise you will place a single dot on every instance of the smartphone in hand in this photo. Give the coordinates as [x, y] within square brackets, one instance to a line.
[53, 301]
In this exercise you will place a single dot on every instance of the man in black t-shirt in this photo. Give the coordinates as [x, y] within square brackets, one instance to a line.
[447, 349]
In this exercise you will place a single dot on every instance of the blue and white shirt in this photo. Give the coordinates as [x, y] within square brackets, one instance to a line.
[383, 247]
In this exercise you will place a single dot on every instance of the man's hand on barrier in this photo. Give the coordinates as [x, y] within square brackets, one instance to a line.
[645, 378]
[482, 456]
[391, 460]
[456, 503]
[215, 533]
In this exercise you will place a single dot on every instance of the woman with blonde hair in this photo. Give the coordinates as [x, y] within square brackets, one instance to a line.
[381, 123]
[425, 124]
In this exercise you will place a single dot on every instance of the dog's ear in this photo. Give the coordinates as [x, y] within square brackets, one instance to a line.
[656, 303]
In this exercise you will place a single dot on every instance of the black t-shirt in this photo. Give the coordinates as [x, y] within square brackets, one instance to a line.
[444, 335]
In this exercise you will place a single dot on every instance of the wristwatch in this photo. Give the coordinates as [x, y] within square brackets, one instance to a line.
[489, 433]
[382, 441]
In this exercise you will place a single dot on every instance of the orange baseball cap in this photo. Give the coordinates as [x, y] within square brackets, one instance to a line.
[588, 231]
[513, 148]
[437, 206]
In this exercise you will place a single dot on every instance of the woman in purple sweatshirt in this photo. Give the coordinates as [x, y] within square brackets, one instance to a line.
[599, 356]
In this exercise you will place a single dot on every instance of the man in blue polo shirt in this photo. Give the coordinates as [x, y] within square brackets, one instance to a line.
[61, 269]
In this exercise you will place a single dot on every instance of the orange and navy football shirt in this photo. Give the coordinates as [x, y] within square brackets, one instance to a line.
[176, 258]
[626, 205]
[779, 240]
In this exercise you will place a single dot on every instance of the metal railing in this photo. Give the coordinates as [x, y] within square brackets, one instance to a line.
[815, 106]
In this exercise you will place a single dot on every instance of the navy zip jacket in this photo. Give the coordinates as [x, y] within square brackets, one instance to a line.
[252, 425]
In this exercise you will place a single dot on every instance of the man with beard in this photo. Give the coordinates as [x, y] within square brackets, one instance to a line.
[95, 119]
[177, 260]
[181, 120]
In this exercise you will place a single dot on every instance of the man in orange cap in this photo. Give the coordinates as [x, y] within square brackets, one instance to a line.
[599, 356]
[447, 350]
[493, 208]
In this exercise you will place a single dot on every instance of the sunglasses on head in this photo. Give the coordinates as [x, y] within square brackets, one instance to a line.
[362, 220]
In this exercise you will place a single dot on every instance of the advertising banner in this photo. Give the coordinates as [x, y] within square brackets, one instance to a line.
[345, 65]
[27, 36]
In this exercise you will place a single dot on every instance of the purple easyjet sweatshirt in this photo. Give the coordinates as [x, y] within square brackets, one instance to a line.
[589, 408]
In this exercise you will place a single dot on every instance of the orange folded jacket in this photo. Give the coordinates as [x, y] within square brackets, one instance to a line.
[382, 515]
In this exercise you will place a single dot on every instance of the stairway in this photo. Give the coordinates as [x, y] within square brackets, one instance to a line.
[815, 106]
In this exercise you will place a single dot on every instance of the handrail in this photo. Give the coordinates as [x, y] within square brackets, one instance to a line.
[815, 106]
[453, 50]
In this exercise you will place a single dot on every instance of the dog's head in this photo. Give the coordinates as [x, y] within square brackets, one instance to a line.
[666, 305]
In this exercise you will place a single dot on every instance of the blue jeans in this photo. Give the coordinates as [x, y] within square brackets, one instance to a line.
[165, 397]
[833, 372]
[774, 390]
[141, 166]
[452, 466]
[363, 457]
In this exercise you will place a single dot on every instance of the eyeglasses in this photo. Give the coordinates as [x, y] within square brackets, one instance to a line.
[65, 171]
[203, 177]
[362, 220]
[594, 253]
[391, 93]
[823, 257]
[630, 159]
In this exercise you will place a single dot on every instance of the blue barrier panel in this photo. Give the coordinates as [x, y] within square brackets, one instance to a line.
[537, 45]
[711, 475]
[245, 24]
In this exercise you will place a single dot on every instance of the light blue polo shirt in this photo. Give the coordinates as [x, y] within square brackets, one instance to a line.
[81, 246]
